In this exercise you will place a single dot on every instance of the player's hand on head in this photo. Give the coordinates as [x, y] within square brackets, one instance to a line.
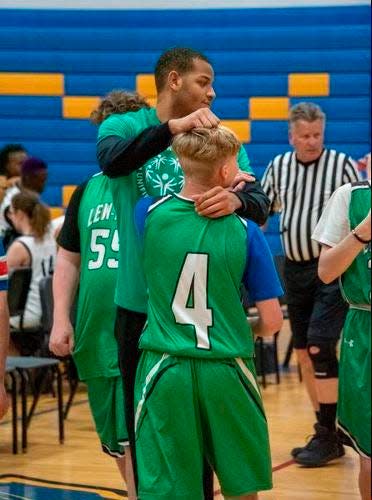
[4, 401]
[241, 179]
[216, 202]
[201, 118]
[61, 342]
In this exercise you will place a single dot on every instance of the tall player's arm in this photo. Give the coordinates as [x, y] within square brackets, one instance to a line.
[122, 148]
[262, 283]
[4, 329]
[66, 278]
[339, 245]
[255, 204]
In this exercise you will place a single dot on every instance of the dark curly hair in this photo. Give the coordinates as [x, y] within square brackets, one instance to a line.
[117, 101]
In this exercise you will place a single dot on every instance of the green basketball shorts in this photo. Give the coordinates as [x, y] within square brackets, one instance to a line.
[188, 409]
[354, 401]
[106, 401]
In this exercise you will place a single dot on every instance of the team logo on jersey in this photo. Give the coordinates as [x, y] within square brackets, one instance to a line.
[161, 175]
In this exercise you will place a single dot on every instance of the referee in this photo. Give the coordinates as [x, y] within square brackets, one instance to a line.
[299, 184]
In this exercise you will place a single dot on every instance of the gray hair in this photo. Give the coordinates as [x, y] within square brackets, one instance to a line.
[306, 111]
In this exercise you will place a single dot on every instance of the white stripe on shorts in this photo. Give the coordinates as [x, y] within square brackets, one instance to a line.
[149, 377]
[248, 374]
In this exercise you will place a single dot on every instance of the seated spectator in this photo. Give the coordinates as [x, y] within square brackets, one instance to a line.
[36, 248]
[33, 178]
[11, 158]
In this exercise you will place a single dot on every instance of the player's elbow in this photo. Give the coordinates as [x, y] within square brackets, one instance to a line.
[325, 270]
[326, 276]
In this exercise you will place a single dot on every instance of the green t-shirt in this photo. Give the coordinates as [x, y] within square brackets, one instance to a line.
[356, 281]
[159, 176]
[195, 267]
[96, 351]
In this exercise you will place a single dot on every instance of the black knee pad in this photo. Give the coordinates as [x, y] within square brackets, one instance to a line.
[324, 358]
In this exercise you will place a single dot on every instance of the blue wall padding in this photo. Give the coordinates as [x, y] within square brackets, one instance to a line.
[336, 131]
[127, 63]
[97, 84]
[57, 129]
[323, 16]
[338, 108]
[70, 173]
[136, 39]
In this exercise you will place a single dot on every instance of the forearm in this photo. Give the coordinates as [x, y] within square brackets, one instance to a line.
[119, 157]
[4, 334]
[269, 319]
[65, 283]
[255, 203]
[334, 261]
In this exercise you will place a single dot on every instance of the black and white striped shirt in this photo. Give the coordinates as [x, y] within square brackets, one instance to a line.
[300, 192]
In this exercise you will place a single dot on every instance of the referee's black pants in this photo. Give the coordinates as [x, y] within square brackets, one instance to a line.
[128, 329]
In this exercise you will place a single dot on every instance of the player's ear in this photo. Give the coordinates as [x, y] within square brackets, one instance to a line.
[174, 80]
[223, 172]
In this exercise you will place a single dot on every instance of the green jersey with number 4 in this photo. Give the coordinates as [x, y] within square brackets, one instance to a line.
[159, 176]
[97, 355]
[194, 291]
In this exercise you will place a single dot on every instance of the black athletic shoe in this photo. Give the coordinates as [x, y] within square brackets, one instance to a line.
[323, 447]
[297, 450]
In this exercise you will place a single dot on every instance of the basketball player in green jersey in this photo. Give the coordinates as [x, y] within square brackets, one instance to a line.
[133, 150]
[344, 231]
[196, 392]
[88, 256]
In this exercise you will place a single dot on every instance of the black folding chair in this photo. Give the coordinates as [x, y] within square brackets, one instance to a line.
[24, 365]
[10, 370]
[47, 305]
[19, 286]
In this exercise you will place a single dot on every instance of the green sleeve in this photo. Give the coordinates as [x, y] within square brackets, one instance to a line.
[243, 161]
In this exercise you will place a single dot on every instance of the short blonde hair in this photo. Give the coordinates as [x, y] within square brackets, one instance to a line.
[202, 150]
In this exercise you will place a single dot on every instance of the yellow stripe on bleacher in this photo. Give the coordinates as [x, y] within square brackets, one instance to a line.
[308, 84]
[56, 212]
[79, 107]
[67, 192]
[268, 108]
[145, 85]
[242, 128]
[45, 84]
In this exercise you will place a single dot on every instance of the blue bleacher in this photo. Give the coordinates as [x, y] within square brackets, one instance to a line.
[343, 15]
[253, 52]
[126, 63]
[136, 39]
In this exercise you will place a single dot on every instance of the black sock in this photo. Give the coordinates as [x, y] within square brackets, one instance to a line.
[327, 416]
[317, 415]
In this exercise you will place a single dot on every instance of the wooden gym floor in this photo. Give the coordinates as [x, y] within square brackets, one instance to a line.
[78, 470]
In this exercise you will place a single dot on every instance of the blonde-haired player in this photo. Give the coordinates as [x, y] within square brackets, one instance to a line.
[196, 393]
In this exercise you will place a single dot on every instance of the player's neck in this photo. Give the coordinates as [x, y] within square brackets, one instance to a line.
[193, 187]
[167, 110]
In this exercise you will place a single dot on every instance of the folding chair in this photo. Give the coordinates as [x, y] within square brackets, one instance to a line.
[10, 370]
[23, 365]
[46, 297]
[19, 285]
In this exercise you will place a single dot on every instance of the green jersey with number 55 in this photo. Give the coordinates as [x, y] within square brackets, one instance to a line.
[95, 345]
